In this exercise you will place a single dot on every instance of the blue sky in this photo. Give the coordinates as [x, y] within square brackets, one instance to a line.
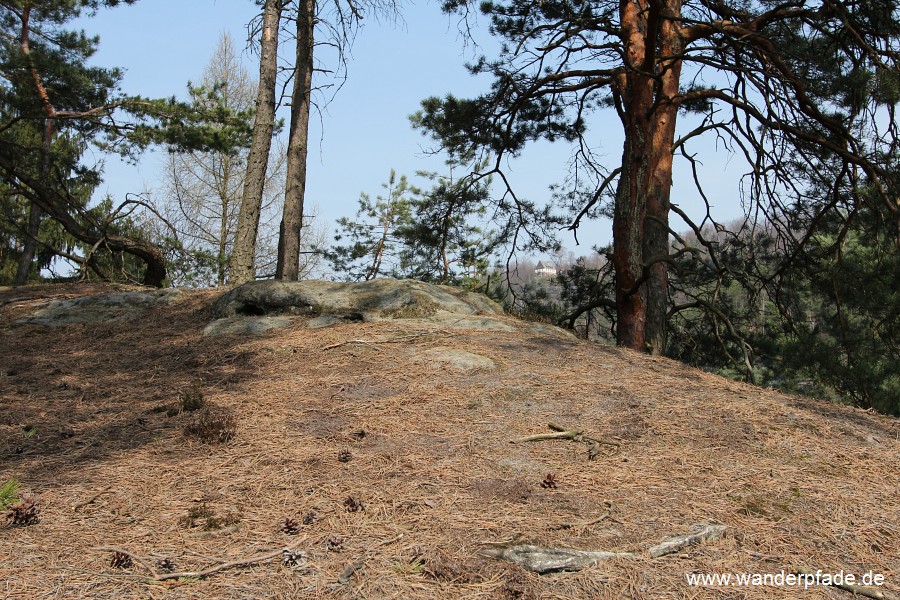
[364, 132]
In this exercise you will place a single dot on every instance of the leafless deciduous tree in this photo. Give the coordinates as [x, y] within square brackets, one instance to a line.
[202, 189]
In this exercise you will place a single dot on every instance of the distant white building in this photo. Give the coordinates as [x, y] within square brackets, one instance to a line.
[545, 269]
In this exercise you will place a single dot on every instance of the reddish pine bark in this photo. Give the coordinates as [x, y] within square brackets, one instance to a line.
[644, 94]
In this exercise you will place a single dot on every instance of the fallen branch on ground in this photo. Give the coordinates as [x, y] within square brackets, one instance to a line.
[377, 545]
[703, 532]
[395, 340]
[549, 560]
[561, 433]
[855, 589]
[155, 576]
[602, 517]
[361, 342]
[92, 499]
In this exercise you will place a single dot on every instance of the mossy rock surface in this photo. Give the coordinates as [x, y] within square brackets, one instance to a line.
[377, 300]
[118, 306]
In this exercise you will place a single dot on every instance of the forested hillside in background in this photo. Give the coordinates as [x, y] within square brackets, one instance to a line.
[826, 323]
[801, 294]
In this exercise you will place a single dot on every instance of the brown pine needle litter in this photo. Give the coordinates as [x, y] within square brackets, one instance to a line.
[89, 421]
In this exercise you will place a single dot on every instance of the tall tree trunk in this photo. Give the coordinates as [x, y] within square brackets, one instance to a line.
[222, 250]
[243, 265]
[628, 221]
[292, 221]
[641, 219]
[30, 247]
[35, 213]
[659, 187]
[224, 220]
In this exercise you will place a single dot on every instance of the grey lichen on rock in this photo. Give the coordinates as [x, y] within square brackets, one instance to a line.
[245, 325]
[457, 360]
[119, 306]
[551, 331]
[376, 300]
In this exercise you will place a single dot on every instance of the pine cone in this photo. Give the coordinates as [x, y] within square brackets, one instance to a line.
[292, 558]
[334, 543]
[353, 504]
[120, 560]
[166, 565]
[290, 526]
[27, 511]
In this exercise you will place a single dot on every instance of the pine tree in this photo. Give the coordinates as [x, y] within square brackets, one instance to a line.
[374, 238]
[243, 259]
[444, 241]
[433, 236]
[719, 68]
[51, 107]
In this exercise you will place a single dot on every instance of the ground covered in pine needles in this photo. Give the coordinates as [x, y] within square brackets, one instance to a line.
[340, 463]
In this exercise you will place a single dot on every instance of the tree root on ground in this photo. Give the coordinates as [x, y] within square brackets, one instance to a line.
[549, 560]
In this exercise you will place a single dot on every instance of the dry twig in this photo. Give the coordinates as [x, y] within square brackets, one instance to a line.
[602, 517]
[853, 588]
[205, 572]
[394, 340]
[702, 532]
[562, 433]
[396, 538]
[361, 342]
[133, 557]
[92, 499]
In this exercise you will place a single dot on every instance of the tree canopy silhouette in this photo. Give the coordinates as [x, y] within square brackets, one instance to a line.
[805, 92]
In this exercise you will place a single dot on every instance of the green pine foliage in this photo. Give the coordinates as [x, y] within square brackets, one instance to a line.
[433, 236]
[58, 57]
[9, 494]
[12, 222]
[444, 241]
[843, 315]
[372, 240]
[54, 106]
[207, 123]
